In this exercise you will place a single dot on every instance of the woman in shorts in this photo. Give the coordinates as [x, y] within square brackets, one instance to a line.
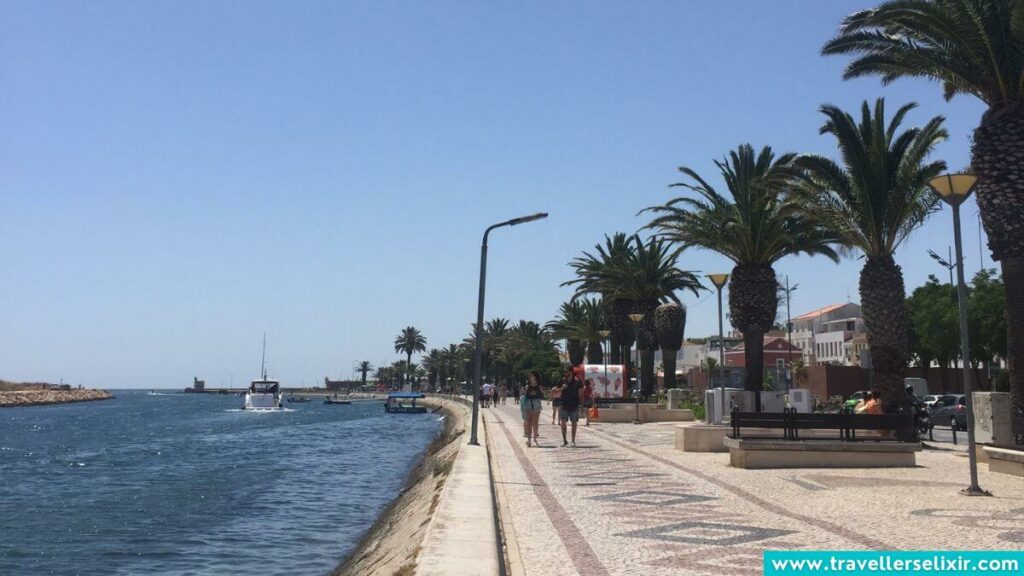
[556, 399]
[530, 407]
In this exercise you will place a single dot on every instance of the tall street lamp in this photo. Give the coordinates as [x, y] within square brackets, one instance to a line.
[604, 337]
[637, 319]
[954, 189]
[789, 332]
[478, 356]
[719, 281]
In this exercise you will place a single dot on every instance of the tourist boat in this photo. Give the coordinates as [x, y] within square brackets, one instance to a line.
[395, 403]
[263, 395]
[298, 399]
[336, 400]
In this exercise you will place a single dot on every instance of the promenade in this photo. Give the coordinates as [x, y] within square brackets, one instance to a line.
[624, 501]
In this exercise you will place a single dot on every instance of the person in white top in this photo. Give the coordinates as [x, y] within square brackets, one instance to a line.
[485, 394]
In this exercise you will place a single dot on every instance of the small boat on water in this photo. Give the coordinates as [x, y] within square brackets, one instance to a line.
[263, 395]
[397, 403]
[298, 399]
[336, 400]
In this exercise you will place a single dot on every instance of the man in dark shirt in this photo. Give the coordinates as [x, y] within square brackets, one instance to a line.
[570, 408]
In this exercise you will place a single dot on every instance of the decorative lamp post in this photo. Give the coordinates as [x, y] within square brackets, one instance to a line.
[789, 332]
[954, 189]
[604, 337]
[637, 319]
[719, 281]
[478, 356]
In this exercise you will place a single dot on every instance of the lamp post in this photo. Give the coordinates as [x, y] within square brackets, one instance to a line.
[637, 319]
[478, 355]
[719, 281]
[789, 332]
[604, 337]
[954, 189]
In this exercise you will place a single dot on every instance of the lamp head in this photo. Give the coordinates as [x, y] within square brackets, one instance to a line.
[604, 333]
[953, 188]
[718, 280]
[525, 219]
[636, 318]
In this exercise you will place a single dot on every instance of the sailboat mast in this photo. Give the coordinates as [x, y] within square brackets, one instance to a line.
[263, 361]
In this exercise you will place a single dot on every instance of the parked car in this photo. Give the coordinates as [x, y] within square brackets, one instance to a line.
[854, 398]
[950, 410]
[931, 399]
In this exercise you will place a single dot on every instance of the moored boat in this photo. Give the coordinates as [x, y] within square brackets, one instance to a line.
[396, 403]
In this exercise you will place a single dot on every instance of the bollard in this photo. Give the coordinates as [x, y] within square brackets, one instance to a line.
[954, 434]
[930, 437]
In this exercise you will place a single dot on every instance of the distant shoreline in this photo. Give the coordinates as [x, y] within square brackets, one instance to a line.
[11, 399]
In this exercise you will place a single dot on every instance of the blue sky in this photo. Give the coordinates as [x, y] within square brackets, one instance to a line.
[177, 178]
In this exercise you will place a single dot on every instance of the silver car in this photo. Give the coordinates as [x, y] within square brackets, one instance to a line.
[950, 410]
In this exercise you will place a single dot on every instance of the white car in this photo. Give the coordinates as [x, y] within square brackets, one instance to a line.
[931, 399]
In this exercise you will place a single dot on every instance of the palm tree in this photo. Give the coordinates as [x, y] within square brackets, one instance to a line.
[670, 322]
[590, 268]
[971, 47]
[754, 226]
[872, 203]
[433, 363]
[644, 276]
[592, 322]
[496, 333]
[363, 368]
[569, 326]
[410, 341]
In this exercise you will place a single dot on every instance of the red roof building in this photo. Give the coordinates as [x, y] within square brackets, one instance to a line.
[777, 353]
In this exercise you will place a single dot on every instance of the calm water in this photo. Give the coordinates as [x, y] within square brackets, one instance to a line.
[185, 484]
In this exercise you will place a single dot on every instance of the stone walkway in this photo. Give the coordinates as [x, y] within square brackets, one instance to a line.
[624, 501]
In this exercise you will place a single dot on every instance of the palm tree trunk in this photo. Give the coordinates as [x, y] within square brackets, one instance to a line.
[883, 303]
[668, 363]
[408, 368]
[647, 374]
[595, 355]
[997, 158]
[615, 353]
[753, 303]
[1013, 271]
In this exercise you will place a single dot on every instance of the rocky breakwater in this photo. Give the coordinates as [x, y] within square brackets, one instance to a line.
[41, 397]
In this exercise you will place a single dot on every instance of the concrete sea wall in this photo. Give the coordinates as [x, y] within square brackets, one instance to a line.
[42, 397]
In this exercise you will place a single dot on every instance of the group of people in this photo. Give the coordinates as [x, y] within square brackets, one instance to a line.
[492, 395]
[870, 404]
[567, 398]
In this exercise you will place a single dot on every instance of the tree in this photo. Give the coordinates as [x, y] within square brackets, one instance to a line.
[410, 341]
[590, 269]
[973, 47]
[755, 226]
[644, 276]
[670, 321]
[931, 308]
[363, 368]
[872, 203]
[433, 364]
[569, 326]
[986, 313]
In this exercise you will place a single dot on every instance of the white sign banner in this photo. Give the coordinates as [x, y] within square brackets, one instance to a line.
[607, 379]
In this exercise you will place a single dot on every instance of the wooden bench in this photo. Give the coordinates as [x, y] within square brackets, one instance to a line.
[792, 422]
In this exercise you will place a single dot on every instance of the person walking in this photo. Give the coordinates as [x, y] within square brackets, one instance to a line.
[485, 394]
[494, 395]
[515, 392]
[556, 398]
[587, 396]
[569, 412]
[530, 407]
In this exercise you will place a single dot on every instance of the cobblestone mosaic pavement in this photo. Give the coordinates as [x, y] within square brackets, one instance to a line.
[624, 501]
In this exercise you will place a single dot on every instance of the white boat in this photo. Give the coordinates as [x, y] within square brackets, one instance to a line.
[264, 395]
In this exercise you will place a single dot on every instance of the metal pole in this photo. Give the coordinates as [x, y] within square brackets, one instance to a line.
[789, 337]
[479, 353]
[636, 391]
[965, 345]
[721, 343]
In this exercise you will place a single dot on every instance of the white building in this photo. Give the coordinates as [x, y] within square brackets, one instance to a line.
[829, 335]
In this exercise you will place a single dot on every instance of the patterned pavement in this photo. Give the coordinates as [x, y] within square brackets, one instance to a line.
[624, 501]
